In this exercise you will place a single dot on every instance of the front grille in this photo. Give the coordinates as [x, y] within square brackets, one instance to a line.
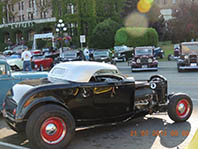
[193, 58]
[144, 60]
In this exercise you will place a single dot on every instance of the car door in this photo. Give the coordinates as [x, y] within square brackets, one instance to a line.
[6, 82]
[113, 96]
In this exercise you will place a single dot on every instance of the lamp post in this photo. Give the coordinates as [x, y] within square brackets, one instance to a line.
[60, 28]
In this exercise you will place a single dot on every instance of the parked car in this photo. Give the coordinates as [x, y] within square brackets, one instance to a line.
[9, 79]
[84, 93]
[103, 56]
[36, 52]
[143, 59]
[70, 55]
[19, 49]
[15, 62]
[158, 52]
[8, 52]
[189, 56]
[122, 53]
[40, 62]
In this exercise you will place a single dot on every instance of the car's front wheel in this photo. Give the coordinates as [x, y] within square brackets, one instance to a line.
[50, 126]
[180, 108]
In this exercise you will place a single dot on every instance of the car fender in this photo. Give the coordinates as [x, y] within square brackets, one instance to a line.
[30, 105]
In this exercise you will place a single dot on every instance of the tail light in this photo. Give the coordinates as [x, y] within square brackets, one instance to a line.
[14, 112]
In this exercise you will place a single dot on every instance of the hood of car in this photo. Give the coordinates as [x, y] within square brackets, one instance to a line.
[14, 61]
[30, 75]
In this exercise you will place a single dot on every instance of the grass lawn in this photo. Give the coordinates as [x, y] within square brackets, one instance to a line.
[168, 48]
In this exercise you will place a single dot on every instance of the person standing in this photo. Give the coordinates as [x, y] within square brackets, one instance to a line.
[86, 53]
[26, 57]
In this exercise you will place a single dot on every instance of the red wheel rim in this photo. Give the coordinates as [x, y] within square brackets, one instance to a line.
[53, 130]
[183, 108]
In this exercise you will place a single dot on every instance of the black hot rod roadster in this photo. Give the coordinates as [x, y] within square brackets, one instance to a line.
[77, 94]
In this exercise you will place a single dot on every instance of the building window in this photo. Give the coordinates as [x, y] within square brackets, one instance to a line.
[43, 14]
[11, 7]
[174, 1]
[22, 5]
[164, 2]
[19, 4]
[23, 17]
[30, 16]
[19, 18]
[31, 3]
[71, 8]
[72, 29]
[43, 2]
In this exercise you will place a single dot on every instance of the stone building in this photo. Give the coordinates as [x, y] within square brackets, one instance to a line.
[21, 19]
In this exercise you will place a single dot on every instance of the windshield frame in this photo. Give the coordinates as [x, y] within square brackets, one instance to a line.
[143, 53]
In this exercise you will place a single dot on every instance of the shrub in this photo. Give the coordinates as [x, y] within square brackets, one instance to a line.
[136, 36]
[103, 34]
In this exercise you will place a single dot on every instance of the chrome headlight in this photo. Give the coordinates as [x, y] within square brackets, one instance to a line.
[186, 56]
[138, 61]
[150, 60]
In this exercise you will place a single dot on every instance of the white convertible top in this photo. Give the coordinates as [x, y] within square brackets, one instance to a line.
[78, 71]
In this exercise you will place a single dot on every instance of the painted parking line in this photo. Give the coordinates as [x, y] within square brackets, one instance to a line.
[8, 145]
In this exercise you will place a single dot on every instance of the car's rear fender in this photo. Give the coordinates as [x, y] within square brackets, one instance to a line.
[27, 109]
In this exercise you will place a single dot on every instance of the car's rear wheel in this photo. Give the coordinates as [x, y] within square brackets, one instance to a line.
[50, 126]
[180, 108]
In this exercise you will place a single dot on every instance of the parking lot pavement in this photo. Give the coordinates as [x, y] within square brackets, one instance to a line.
[156, 131]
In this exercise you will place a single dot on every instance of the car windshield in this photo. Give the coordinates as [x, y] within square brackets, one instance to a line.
[101, 53]
[120, 48]
[68, 54]
[189, 49]
[145, 51]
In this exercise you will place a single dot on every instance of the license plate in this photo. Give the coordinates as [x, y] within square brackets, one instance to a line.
[144, 66]
[193, 64]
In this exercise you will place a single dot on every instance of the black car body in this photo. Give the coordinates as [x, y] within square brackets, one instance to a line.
[143, 59]
[122, 53]
[188, 59]
[158, 52]
[70, 55]
[102, 56]
[50, 109]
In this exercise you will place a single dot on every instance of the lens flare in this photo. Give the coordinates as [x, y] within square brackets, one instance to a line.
[136, 19]
[144, 6]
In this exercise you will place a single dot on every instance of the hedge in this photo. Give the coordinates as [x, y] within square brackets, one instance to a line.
[103, 34]
[137, 36]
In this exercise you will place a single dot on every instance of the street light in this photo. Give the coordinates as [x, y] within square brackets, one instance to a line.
[60, 28]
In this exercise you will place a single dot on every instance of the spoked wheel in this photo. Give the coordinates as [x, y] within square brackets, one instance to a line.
[50, 126]
[180, 108]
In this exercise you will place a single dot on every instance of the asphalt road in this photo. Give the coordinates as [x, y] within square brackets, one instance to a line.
[140, 133]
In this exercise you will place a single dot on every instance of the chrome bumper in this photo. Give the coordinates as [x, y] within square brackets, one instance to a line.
[142, 69]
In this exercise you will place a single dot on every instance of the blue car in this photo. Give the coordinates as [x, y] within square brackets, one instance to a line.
[9, 79]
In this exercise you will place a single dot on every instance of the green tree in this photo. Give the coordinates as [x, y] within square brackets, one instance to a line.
[103, 34]
[184, 26]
